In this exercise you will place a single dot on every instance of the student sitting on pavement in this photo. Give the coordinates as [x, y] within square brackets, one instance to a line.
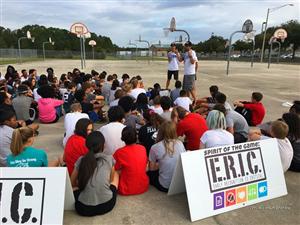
[71, 119]
[217, 134]
[175, 93]
[94, 179]
[279, 130]
[163, 156]
[75, 146]
[184, 101]
[253, 111]
[131, 164]
[23, 154]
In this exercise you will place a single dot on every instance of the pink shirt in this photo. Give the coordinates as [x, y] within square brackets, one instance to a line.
[47, 112]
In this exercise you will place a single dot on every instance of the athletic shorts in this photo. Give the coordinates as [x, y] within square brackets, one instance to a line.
[175, 73]
[188, 82]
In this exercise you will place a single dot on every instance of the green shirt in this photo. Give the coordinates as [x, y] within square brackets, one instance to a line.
[29, 157]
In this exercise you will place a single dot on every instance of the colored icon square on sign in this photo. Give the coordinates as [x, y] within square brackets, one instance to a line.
[230, 197]
[252, 191]
[219, 200]
[262, 189]
[241, 194]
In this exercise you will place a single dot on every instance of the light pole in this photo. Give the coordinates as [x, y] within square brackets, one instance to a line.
[266, 24]
[135, 45]
[47, 42]
[28, 36]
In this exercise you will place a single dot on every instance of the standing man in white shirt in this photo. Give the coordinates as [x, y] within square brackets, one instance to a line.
[190, 68]
[173, 66]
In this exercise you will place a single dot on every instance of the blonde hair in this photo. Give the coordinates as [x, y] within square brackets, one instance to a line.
[76, 107]
[19, 138]
[127, 88]
[216, 120]
[279, 129]
[167, 134]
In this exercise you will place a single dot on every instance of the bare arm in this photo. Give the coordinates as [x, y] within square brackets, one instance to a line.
[202, 146]
[153, 166]
[74, 177]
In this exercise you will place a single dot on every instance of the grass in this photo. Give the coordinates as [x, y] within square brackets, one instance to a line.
[6, 61]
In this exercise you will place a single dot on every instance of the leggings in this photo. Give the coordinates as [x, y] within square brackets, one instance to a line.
[153, 177]
[91, 210]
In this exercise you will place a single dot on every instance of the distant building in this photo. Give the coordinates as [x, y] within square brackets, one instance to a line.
[160, 50]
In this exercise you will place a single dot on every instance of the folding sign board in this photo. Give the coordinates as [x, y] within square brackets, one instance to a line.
[222, 179]
[33, 196]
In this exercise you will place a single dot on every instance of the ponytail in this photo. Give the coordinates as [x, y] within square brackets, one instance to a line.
[86, 170]
[19, 138]
[95, 143]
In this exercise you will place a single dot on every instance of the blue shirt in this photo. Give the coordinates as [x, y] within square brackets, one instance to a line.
[29, 157]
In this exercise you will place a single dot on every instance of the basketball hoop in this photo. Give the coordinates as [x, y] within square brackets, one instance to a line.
[173, 24]
[247, 26]
[92, 43]
[79, 29]
[280, 34]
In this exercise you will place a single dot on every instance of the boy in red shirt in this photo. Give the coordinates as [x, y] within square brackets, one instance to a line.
[131, 163]
[256, 108]
[192, 125]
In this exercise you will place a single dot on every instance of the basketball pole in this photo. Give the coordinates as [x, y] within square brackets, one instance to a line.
[81, 56]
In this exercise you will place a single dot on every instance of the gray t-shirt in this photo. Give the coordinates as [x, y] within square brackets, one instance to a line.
[5, 140]
[166, 115]
[166, 162]
[22, 105]
[97, 190]
[106, 90]
[175, 93]
[238, 122]
[133, 121]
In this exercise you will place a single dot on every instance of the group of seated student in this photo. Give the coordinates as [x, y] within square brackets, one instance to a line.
[142, 135]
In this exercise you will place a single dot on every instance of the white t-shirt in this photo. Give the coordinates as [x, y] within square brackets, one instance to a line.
[189, 68]
[173, 64]
[184, 102]
[114, 103]
[215, 138]
[112, 133]
[286, 153]
[135, 92]
[70, 123]
[36, 96]
[157, 110]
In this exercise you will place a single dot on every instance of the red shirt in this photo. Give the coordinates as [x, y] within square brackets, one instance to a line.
[258, 112]
[132, 161]
[192, 126]
[75, 148]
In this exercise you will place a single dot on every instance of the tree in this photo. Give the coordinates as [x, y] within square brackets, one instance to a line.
[213, 44]
[293, 29]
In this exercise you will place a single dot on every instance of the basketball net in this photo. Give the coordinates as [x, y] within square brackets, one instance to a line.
[166, 32]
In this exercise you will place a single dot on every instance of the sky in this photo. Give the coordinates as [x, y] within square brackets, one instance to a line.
[126, 20]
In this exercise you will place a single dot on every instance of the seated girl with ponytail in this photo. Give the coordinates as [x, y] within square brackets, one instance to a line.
[163, 156]
[23, 154]
[94, 179]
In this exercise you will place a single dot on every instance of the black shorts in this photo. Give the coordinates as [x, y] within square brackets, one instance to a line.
[87, 210]
[175, 73]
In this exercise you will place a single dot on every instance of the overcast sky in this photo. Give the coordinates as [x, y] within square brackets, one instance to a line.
[125, 20]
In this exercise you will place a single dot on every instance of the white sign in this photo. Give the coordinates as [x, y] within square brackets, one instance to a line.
[222, 179]
[32, 196]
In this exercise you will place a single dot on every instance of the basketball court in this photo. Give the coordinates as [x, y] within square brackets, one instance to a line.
[279, 84]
